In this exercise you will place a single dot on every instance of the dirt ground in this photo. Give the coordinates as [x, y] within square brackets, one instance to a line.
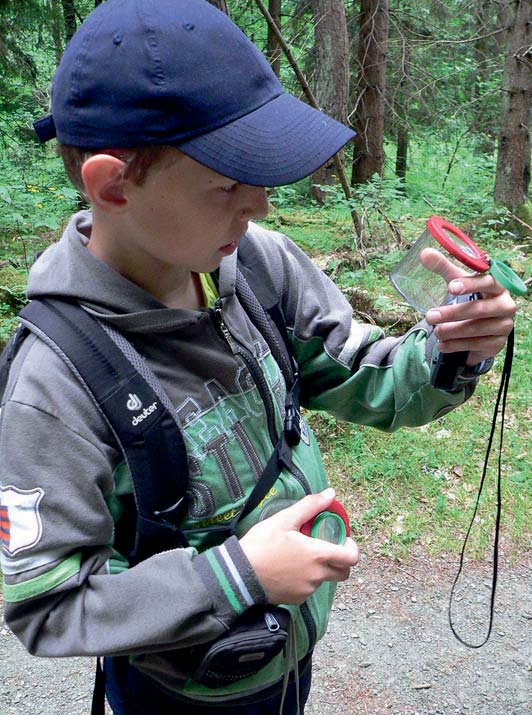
[388, 651]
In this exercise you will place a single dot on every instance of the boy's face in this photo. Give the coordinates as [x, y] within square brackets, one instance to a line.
[187, 215]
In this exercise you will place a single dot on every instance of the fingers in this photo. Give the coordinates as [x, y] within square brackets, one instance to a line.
[479, 348]
[289, 565]
[483, 283]
[497, 303]
[295, 516]
[478, 326]
[469, 319]
[460, 281]
[340, 557]
[331, 562]
[473, 330]
[436, 262]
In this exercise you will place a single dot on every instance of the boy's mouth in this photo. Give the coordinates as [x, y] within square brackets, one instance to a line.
[228, 248]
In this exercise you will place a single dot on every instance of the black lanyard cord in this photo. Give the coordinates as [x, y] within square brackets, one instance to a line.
[499, 403]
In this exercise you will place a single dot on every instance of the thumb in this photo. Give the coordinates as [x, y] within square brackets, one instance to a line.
[436, 262]
[307, 508]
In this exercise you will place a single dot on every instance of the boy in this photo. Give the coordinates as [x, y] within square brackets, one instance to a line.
[172, 123]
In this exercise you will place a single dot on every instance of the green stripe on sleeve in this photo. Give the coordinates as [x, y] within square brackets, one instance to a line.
[45, 582]
[223, 581]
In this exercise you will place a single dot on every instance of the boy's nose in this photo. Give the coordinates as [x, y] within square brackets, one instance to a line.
[254, 202]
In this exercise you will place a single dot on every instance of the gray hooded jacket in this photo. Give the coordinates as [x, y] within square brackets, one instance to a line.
[64, 485]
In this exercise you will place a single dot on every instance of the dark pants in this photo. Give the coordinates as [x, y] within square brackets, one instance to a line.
[129, 693]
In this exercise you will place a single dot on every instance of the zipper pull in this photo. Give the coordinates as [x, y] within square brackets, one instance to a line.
[220, 319]
[271, 622]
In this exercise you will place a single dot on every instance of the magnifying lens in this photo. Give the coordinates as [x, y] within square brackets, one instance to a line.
[331, 525]
[424, 288]
[418, 280]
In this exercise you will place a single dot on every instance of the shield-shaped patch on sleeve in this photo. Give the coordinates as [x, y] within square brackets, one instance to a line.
[20, 521]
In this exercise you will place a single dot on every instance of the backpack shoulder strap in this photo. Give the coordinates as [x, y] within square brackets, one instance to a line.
[152, 444]
[8, 355]
[257, 293]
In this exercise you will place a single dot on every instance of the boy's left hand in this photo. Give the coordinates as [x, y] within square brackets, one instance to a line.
[479, 326]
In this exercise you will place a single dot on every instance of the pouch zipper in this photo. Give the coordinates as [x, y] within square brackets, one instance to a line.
[272, 624]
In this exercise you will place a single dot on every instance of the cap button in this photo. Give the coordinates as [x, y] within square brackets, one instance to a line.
[188, 25]
[117, 38]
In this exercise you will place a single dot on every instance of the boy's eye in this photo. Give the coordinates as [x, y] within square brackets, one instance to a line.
[228, 188]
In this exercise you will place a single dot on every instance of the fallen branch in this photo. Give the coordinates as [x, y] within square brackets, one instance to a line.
[520, 221]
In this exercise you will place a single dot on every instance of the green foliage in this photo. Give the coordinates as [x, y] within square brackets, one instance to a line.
[368, 198]
[450, 178]
[12, 298]
[34, 198]
[12, 286]
[8, 323]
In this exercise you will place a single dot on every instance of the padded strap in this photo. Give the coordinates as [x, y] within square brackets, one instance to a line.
[7, 357]
[148, 435]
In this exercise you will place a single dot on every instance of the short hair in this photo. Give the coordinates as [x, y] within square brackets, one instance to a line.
[138, 160]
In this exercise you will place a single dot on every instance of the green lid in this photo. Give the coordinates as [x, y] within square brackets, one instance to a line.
[507, 277]
[329, 527]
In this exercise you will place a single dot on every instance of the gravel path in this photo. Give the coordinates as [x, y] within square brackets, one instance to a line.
[389, 650]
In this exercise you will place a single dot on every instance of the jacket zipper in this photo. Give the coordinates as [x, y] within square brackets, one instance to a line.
[258, 376]
[259, 379]
[253, 367]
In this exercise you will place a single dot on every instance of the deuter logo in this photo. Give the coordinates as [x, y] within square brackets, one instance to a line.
[133, 404]
[145, 413]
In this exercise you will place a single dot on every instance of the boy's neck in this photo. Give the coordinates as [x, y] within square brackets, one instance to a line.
[173, 286]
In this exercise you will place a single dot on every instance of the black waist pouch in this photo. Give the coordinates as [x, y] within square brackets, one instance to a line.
[254, 639]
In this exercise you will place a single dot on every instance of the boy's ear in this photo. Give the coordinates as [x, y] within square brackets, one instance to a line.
[103, 176]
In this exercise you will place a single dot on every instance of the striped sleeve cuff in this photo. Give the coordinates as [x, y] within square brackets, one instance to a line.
[229, 579]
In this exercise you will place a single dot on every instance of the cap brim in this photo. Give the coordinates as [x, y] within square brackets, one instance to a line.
[279, 143]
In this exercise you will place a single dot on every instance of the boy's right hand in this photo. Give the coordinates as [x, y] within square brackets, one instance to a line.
[289, 565]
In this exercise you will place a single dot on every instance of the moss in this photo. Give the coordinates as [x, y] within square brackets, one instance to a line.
[524, 213]
[12, 287]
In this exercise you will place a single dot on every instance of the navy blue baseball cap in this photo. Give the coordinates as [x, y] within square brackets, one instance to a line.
[179, 72]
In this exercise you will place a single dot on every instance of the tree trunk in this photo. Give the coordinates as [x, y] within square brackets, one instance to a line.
[513, 162]
[504, 20]
[57, 30]
[371, 88]
[332, 73]
[485, 49]
[401, 158]
[401, 113]
[273, 51]
[481, 54]
[69, 15]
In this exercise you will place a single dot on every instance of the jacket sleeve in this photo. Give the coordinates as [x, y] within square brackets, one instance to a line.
[64, 593]
[347, 368]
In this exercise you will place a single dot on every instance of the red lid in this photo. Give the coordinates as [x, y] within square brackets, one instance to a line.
[336, 508]
[463, 248]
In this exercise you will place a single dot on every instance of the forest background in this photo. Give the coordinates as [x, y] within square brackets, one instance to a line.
[440, 95]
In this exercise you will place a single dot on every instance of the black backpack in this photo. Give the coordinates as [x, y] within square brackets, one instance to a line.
[153, 446]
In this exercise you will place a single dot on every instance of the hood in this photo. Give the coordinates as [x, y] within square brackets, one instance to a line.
[68, 270]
